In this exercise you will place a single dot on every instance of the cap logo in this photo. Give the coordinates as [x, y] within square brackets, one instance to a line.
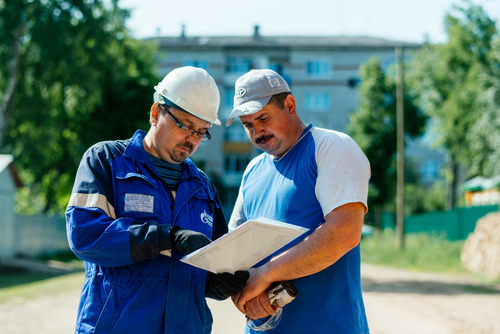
[274, 82]
[240, 92]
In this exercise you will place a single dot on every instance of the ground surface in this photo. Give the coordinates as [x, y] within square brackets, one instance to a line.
[396, 301]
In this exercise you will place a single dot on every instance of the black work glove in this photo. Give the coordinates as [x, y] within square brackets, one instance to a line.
[222, 286]
[187, 241]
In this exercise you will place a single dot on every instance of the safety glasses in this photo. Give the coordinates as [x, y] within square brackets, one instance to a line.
[204, 136]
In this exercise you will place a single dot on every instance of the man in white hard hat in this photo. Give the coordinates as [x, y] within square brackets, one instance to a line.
[138, 206]
[314, 178]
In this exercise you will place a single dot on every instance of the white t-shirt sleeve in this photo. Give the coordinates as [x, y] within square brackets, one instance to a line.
[343, 170]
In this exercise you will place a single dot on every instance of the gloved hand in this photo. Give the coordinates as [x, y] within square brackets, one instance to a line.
[222, 286]
[187, 241]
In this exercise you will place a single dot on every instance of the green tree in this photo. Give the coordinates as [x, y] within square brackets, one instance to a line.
[449, 80]
[79, 78]
[484, 136]
[373, 126]
[421, 199]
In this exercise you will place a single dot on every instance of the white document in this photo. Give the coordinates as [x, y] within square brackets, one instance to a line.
[245, 246]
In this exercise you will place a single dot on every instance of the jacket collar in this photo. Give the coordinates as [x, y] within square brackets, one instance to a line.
[135, 150]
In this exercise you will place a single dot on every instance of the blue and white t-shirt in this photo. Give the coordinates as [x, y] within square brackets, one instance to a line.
[325, 169]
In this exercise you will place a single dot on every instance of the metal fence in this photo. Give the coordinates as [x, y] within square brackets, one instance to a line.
[39, 234]
[455, 224]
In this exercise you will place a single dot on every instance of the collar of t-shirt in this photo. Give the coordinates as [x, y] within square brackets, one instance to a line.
[170, 173]
[306, 130]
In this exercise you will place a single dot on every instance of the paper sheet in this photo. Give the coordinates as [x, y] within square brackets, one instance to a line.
[245, 246]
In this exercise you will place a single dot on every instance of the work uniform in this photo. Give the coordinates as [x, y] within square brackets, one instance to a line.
[322, 171]
[118, 220]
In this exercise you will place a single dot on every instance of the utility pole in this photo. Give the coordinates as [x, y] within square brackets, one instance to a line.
[400, 194]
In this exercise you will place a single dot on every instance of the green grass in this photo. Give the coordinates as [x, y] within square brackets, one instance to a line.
[11, 276]
[67, 257]
[25, 284]
[421, 252]
[32, 285]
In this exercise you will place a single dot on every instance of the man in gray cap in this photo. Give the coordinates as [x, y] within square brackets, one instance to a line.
[314, 178]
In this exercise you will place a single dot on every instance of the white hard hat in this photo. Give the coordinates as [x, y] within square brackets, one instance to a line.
[192, 90]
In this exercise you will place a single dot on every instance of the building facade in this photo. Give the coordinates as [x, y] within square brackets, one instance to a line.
[322, 72]
[9, 183]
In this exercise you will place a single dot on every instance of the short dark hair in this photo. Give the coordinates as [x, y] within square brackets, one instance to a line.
[163, 108]
[279, 99]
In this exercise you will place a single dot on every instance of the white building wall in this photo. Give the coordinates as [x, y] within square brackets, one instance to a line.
[7, 232]
[40, 235]
[291, 56]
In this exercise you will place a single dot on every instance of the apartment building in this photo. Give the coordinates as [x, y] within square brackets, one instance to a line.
[322, 71]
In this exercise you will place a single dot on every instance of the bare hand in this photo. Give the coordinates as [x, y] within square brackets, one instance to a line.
[256, 285]
[259, 307]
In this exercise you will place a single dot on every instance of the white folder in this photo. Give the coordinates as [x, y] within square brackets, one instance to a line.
[245, 246]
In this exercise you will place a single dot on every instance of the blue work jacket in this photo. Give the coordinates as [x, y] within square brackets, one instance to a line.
[118, 221]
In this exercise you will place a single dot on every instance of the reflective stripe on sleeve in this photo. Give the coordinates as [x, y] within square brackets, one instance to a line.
[92, 201]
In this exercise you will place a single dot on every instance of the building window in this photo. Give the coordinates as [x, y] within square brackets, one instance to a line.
[229, 98]
[318, 68]
[276, 67]
[318, 101]
[235, 163]
[430, 171]
[197, 63]
[353, 82]
[236, 132]
[238, 65]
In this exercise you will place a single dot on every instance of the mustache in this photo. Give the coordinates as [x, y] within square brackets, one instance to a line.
[188, 145]
[263, 138]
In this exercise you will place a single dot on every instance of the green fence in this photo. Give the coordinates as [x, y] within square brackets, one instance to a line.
[456, 224]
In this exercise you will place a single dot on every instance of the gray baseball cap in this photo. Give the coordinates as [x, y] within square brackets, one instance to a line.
[253, 90]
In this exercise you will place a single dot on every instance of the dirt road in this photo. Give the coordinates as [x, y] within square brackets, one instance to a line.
[396, 302]
[399, 301]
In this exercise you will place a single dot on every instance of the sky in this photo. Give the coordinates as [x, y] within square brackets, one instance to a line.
[402, 20]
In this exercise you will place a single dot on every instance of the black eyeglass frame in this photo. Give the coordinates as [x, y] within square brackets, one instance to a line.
[206, 135]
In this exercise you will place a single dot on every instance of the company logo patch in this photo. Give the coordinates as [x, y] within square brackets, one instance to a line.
[274, 83]
[240, 92]
[207, 219]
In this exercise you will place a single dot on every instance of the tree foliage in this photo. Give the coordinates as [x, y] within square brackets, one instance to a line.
[421, 199]
[484, 137]
[80, 79]
[455, 83]
[373, 126]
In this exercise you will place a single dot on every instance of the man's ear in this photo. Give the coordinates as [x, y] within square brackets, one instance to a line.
[290, 103]
[153, 114]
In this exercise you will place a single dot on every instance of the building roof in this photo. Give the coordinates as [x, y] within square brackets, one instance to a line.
[7, 162]
[257, 40]
[479, 183]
